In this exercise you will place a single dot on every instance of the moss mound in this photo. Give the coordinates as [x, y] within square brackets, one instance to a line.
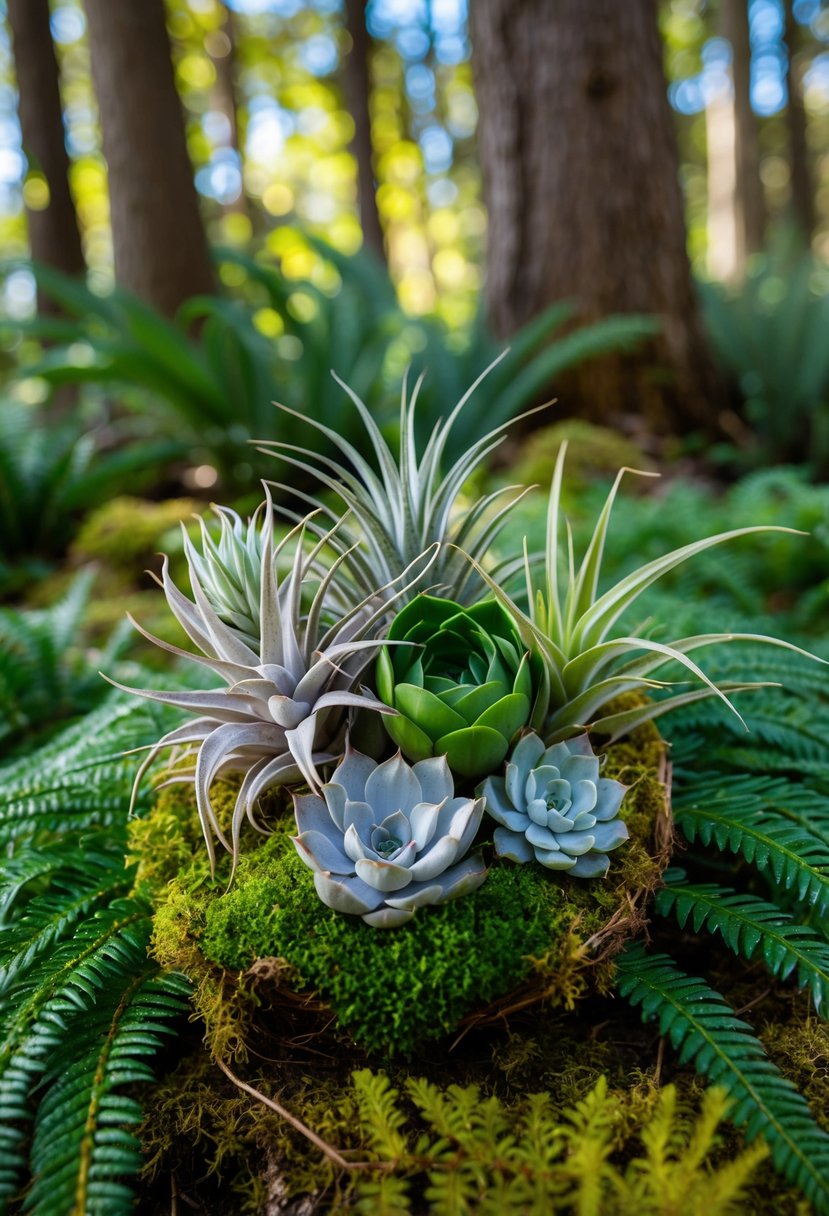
[524, 936]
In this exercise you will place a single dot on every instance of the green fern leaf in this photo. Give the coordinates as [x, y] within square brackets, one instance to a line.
[749, 925]
[730, 813]
[705, 1031]
[83, 1148]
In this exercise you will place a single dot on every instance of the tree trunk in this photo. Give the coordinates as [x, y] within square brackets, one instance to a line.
[580, 171]
[223, 58]
[357, 88]
[54, 237]
[749, 200]
[803, 195]
[159, 240]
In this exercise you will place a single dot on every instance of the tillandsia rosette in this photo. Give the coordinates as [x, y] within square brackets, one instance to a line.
[386, 839]
[553, 807]
[283, 711]
[463, 685]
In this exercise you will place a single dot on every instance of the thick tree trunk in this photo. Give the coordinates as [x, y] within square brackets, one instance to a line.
[580, 172]
[803, 195]
[159, 240]
[357, 88]
[749, 200]
[54, 237]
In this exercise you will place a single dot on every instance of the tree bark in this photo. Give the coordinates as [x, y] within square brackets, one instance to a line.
[224, 97]
[749, 200]
[803, 195]
[159, 241]
[580, 173]
[54, 236]
[357, 89]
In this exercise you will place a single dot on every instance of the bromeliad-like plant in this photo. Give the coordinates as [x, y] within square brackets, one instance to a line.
[407, 504]
[282, 714]
[461, 683]
[570, 624]
[386, 839]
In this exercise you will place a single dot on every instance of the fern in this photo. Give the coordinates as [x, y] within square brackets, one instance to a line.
[705, 1031]
[76, 1024]
[466, 1153]
[748, 925]
[89, 878]
[733, 814]
[81, 778]
[82, 1146]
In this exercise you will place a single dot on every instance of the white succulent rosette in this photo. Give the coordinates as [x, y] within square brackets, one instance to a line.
[553, 807]
[386, 839]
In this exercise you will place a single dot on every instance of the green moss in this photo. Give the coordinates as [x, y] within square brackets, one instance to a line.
[523, 936]
[127, 531]
[591, 450]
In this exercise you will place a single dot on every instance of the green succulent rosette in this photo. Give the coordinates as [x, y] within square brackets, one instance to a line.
[462, 690]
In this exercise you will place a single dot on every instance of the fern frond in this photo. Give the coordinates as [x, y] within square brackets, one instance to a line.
[379, 1113]
[83, 1147]
[705, 1031]
[734, 814]
[749, 926]
[87, 879]
[38, 1012]
[81, 778]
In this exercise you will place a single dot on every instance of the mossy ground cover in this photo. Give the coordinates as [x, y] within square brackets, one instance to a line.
[393, 990]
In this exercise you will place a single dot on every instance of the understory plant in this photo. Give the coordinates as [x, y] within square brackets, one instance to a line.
[430, 790]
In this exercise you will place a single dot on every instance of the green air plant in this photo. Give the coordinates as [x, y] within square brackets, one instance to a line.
[554, 808]
[283, 712]
[387, 839]
[407, 504]
[569, 624]
[229, 570]
[462, 685]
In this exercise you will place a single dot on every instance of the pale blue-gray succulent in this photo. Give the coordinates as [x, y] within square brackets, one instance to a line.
[386, 839]
[553, 807]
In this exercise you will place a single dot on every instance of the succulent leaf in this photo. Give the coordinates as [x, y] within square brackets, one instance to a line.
[553, 807]
[386, 839]
[466, 690]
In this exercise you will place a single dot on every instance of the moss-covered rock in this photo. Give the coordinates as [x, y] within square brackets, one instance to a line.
[525, 936]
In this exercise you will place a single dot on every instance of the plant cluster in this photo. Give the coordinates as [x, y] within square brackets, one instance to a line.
[308, 642]
[503, 820]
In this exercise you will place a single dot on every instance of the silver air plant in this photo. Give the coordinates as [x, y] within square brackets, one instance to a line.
[386, 839]
[403, 504]
[229, 568]
[553, 807]
[283, 710]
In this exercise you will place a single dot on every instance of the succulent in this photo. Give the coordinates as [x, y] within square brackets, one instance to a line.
[401, 506]
[463, 689]
[585, 663]
[553, 806]
[386, 839]
[283, 711]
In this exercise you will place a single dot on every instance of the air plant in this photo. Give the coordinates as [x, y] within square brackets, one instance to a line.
[283, 712]
[569, 624]
[406, 504]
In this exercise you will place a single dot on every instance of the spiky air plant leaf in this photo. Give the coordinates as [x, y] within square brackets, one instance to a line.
[229, 569]
[553, 807]
[405, 504]
[386, 839]
[283, 710]
[461, 683]
[570, 625]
